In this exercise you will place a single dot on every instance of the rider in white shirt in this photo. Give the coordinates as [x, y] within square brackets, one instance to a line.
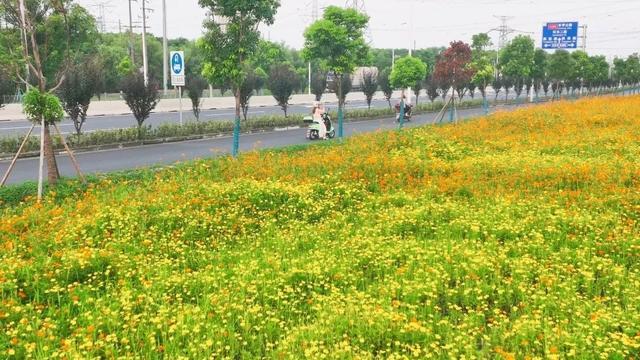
[318, 112]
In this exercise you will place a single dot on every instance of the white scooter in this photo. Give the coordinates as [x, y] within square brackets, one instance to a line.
[313, 133]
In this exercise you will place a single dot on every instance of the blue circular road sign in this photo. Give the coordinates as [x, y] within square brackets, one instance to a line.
[177, 64]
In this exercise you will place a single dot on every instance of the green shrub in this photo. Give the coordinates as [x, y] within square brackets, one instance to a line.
[9, 145]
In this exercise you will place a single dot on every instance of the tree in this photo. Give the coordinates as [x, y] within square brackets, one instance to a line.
[55, 33]
[231, 39]
[632, 69]
[599, 74]
[82, 81]
[539, 70]
[559, 67]
[140, 98]
[282, 81]
[480, 42]
[453, 68]
[497, 85]
[261, 79]
[432, 88]
[196, 85]
[619, 71]
[385, 84]
[318, 84]
[517, 60]
[482, 64]
[342, 87]
[417, 88]
[407, 72]
[246, 90]
[337, 43]
[7, 87]
[369, 86]
[269, 54]
[43, 106]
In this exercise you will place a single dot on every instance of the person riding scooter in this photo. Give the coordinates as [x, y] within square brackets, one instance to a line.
[407, 110]
[319, 116]
[320, 125]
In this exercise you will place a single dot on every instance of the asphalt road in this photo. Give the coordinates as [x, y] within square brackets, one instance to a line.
[166, 154]
[14, 128]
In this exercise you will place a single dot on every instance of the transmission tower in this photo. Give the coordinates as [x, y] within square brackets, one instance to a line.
[356, 4]
[504, 31]
[315, 11]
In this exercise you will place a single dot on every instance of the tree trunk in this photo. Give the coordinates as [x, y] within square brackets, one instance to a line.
[52, 165]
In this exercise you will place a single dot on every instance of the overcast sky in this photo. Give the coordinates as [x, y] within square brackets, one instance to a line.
[613, 26]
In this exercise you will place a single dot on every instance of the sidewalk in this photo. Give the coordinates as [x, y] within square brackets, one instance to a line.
[13, 112]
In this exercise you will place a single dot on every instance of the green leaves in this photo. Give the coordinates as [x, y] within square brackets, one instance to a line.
[337, 40]
[517, 58]
[407, 72]
[38, 105]
[228, 47]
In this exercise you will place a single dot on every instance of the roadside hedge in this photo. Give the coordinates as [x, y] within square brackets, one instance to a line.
[10, 145]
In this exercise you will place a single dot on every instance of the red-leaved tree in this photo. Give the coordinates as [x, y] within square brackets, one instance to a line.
[453, 67]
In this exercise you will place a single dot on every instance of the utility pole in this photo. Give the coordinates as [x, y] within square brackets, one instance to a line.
[584, 37]
[315, 14]
[145, 59]
[165, 47]
[132, 51]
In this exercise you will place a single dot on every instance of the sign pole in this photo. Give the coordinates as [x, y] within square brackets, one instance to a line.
[178, 76]
[180, 95]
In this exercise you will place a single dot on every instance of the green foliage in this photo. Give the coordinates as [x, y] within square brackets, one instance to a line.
[318, 84]
[482, 62]
[517, 58]
[385, 84]
[269, 54]
[539, 71]
[369, 85]
[125, 67]
[52, 35]
[337, 42]
[38, 106]
[480, 42]
[81, 82]
[140, 98]
[599, 71]
[195, 87]
[282, 81]
[560, 65]
[341, 86]
[228, 47]
[407, 72]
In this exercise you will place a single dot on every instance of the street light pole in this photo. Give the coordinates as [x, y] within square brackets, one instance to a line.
[145, 59]
[132, 51]
[409, 100]
[165, 47]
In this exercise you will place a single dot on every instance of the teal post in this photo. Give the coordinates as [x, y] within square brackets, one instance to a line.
[452, 109]
[340, 122]
[401, 113]
[236, 137]
[485, 105]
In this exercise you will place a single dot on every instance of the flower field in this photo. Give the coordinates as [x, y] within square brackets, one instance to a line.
[514, 236]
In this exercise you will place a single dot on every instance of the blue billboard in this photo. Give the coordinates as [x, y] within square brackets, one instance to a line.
[560, 35]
